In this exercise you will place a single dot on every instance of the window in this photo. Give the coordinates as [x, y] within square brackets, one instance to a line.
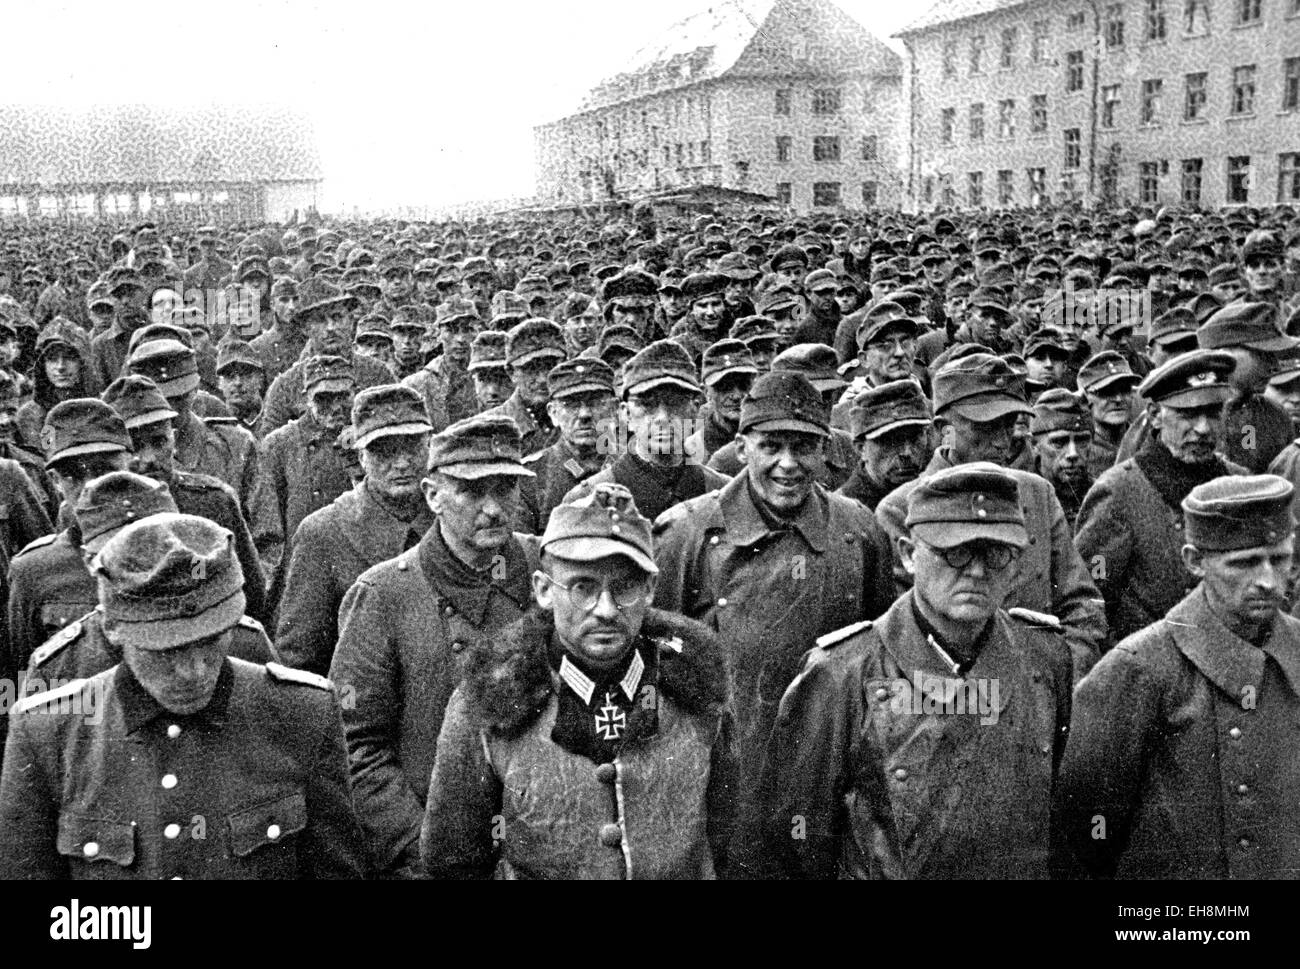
[1291, 84]
[1038, 41]
[1288, 177]
[947, 122]
[1238, 178]
[826, 101]
[826, 148]
[1038, 114]
[1151, 91]
[1076, 20]
[927, 189]
[975, 188]
[1248, 11]
[1148, 182]
[950, 59]
[1192, 169]
[947, 194]
[1109, 183]
[681, 155]
[1155, 20]
[1109, 105]
[1074, 71]
[1007, 56]
[1114, 28]
[782, 106]
[1073, 148]
[783, 192]
[869, 194]
[1243, 89]
[977, 121]
[869, 147]
[1006, 193]
[1196, 17]
[826, 194]
[1194, 99]
[1006, 119]
[1037, 179]
[784, 148]
[706, 153]
[977, 54]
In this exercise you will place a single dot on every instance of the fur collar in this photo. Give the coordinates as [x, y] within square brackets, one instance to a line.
[509, 681]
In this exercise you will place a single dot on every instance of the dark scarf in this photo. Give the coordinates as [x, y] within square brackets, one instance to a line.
[1174, 479]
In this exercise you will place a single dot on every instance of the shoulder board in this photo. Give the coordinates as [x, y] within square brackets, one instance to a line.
[535, 456]
[55, 644]
[287, 674]
[38, 543]
[49, 696]
[220, 419]
[192, 479]
[248, 622]
[1035, 618]
[832, 639]
[670, 642]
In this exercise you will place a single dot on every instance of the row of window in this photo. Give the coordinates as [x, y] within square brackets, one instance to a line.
[828, 194]
[825, 100]
[825, 148]
[1035, 188]
[1156, 15]
[1006, 119]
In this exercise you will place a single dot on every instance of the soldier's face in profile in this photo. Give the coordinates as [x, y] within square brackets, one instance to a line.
[474, 513]
[153, 450]
[181, 679]
[968, 593]
[782, 465]
[1248, 586]
[1191, 434]
[598, 606]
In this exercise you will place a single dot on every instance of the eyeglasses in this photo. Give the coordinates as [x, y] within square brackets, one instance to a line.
[995, 555]
[586, 593]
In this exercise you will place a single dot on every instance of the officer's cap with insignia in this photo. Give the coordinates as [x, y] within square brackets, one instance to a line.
[168, 580]
[600, 524]
[534, 339]
[168, 363]
[477, 447]
[112, 501]
[1253, 325]
[1192, 379]
[1106, 369]
[879, 410]
[966, 503]
[389, 410]
[488, 352]
[328, 374]
[816, 361]
[580, 375]
[784, 401]
[233, 353]
[1060, 410]
[1239, 512]
[138, 401]
[979, 387]
[664, 362]
[726, 357]
[83, 425]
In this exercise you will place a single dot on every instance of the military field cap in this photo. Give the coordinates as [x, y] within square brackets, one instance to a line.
[735, 266]
[702, 285]
[979, 387]
[158, 331]
[328, 374]
[671, 279]
[1045, 342]
[1224, 273]
[778, 298]
[1191, 379]
[317, 296]
[1252, 325]
[123, 277]
[580, 375]
[819, 277]
[816, 361]
[1239, 511]
[168, 363]
[1060, 410]
[1174, 324]
[1261, 243]
[619, 337]
[284, 286]
[456, 311]
[1104, 369]
[232, 353]
[634, 285]
[167, 580]
[879, 410]
[388, 410]
[138, 401]
[1203, 306]
[479, 446]
[507, 305]
[784, 401]
[488, 351]
[600, 524]
[966, 503]
[788, 255]
[83, 425]
[373, 327]
[662, 362]
[726, 357]
[874, 329]
[99, 294]
[112, 501]
[533, 339]
[753, 328]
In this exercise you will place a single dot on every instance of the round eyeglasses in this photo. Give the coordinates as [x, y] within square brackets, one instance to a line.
[586, 593]
[996, 556]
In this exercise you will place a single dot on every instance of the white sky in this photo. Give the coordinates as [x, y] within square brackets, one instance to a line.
[416, 104]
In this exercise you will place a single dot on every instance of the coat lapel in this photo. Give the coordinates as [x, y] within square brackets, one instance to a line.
[1225, 659]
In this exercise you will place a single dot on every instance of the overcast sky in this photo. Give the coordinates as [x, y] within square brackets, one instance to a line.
[413, 103]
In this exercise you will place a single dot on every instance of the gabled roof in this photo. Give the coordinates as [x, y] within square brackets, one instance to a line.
[948, 11]
[135, 143]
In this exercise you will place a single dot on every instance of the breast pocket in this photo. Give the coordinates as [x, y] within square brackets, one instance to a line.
[105, 847]
[265, 835]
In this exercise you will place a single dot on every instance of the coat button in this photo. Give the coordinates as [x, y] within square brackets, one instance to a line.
[1244, 842]
[611, 835]
[713, 539]
[1243, 789]
[722, 602]
[168, 781]
[882, 694]
[90, 849]
[172, 832]
[1235, 733]
[174, 731]
[457, 647]
[606, 773]
[901, 774]
[273, 832]
[448, 611]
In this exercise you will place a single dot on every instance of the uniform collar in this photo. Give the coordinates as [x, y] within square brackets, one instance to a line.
[139, 709]
[468, 591]
[1227, 660]
[747, 525]
[584, 686]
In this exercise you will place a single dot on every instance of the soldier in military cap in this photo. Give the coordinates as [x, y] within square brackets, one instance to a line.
[210, 269]
[1045, 361]
[1262, 259]
[1130, 528]
[707, 321]
[617, 345]
[1207, 695]
[380, 517]
[280, 344]
[1107, 383]
[487, 369]
[407, 331]
[624, 745]
[771, 559]
[374, 339]
[629, 299]
[150, 422]
[849, 754]
[241, 376]
[99, 307]
[823, 318]
[12, 448]
[583, 406]
[104, 776]
[395, 283]
[1062, 430]
[672, 303]
[533, 348]
[892, 426]
[326, 314]
[661, 394]
[409, 625]
[445, 382]
[758, 333]
[62, 372]
[108, 350]
[1172, 332]
[740, 288]
[977, 401]
[728, 371]
[785, 307]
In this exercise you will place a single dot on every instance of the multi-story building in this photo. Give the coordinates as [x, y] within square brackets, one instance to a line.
[1140, 101]
[788, 98]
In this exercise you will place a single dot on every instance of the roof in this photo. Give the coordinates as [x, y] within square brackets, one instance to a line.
[948, 11]
[135, 143]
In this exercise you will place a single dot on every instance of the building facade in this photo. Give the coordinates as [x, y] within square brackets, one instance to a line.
[791, 99]
[1192, 102]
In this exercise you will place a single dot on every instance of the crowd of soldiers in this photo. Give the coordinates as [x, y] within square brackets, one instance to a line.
[955, 545]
